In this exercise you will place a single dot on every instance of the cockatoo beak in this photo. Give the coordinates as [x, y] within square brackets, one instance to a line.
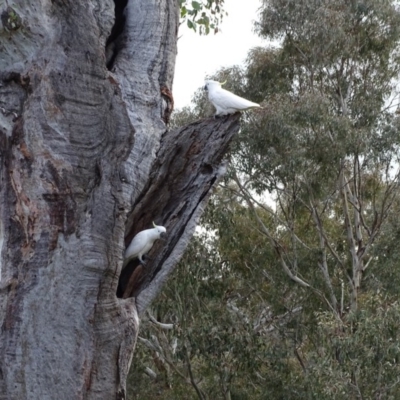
[163, 236]
[205, 88]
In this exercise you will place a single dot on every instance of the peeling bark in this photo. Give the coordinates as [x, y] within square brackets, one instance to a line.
[86, 161]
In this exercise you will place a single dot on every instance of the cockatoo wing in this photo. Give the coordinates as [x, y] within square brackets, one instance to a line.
[227, 100]
[138, 245]
[142, 243]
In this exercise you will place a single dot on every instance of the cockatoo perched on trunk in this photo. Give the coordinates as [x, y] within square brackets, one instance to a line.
[226, 102]
[142, 243]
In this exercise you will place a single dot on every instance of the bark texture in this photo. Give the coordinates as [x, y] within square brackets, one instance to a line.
[85, 162]
[186, 168]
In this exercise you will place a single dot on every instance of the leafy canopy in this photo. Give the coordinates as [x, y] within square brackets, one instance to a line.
[297, 299]
[203, 16]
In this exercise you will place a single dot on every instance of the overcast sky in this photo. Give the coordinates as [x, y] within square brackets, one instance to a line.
[199, 56]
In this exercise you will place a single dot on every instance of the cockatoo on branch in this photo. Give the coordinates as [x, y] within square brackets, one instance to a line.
[142, 243]
[226, 102]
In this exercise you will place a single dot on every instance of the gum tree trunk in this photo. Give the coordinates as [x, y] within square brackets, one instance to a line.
[87, 161]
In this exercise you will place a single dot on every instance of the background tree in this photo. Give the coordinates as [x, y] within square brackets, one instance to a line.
[304, 227]
[87, 161]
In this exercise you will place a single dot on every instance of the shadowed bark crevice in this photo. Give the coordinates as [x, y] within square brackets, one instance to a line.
[187, 167]
[114, 43]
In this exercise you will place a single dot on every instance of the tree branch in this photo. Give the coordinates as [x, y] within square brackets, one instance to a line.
[273, 241]
[188, 166]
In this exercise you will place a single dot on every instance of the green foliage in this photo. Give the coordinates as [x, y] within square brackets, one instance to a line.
[292, 291]
[222, 341]
[361, 355]
[204, 16]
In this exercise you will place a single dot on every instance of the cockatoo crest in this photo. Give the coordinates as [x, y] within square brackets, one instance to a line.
[142, 243]
[224, 101]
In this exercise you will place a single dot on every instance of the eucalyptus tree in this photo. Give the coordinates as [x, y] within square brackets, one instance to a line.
[325, 145]
[325, 149]
[87, 161]
[215, 334]
[306, 223]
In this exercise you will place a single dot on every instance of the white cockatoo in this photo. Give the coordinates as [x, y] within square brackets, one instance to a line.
[226, 102]
[142, 243]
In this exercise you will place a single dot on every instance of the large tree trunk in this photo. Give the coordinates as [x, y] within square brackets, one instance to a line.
[86, 162]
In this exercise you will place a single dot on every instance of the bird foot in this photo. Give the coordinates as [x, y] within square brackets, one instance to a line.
[143, 262]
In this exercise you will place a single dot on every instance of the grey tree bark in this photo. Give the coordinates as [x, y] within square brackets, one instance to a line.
[87, 161]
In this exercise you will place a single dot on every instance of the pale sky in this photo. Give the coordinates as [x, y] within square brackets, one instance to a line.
[199, 56]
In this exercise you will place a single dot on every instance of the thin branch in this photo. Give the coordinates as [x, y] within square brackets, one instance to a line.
[350, 238]
[199, 392]
[160, 324]
[274, 242]
[267, 209]
[148, 371]
[324, 263]
[300, 360]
